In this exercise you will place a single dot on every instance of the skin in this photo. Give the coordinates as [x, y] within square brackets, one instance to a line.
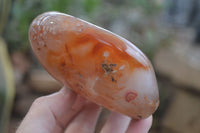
[67, 112]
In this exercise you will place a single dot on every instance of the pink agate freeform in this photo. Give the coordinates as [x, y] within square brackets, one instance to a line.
[95, 63]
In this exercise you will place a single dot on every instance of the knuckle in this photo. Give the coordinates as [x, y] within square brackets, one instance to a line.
[39, 101]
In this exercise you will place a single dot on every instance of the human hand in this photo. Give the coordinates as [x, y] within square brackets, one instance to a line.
[67, 112]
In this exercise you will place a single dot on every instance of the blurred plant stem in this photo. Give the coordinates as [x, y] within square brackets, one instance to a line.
[7, 90]
[6, 76]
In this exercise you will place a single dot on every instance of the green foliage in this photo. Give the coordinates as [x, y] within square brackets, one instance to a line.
[56, 5]
[90, 5]
[24, 11]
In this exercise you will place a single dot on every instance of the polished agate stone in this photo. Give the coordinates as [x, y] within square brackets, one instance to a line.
[95, 63]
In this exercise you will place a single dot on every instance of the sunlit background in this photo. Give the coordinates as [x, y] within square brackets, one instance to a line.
[167, 31]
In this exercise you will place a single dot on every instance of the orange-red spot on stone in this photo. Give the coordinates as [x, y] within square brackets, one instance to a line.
[130, 96]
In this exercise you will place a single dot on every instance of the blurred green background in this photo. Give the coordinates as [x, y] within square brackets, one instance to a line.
[102, 13]
[160, 28]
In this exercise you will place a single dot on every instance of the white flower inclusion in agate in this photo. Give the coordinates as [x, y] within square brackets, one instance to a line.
[95, 63]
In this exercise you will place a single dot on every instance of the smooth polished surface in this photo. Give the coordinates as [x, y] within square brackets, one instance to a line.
[97, 64]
